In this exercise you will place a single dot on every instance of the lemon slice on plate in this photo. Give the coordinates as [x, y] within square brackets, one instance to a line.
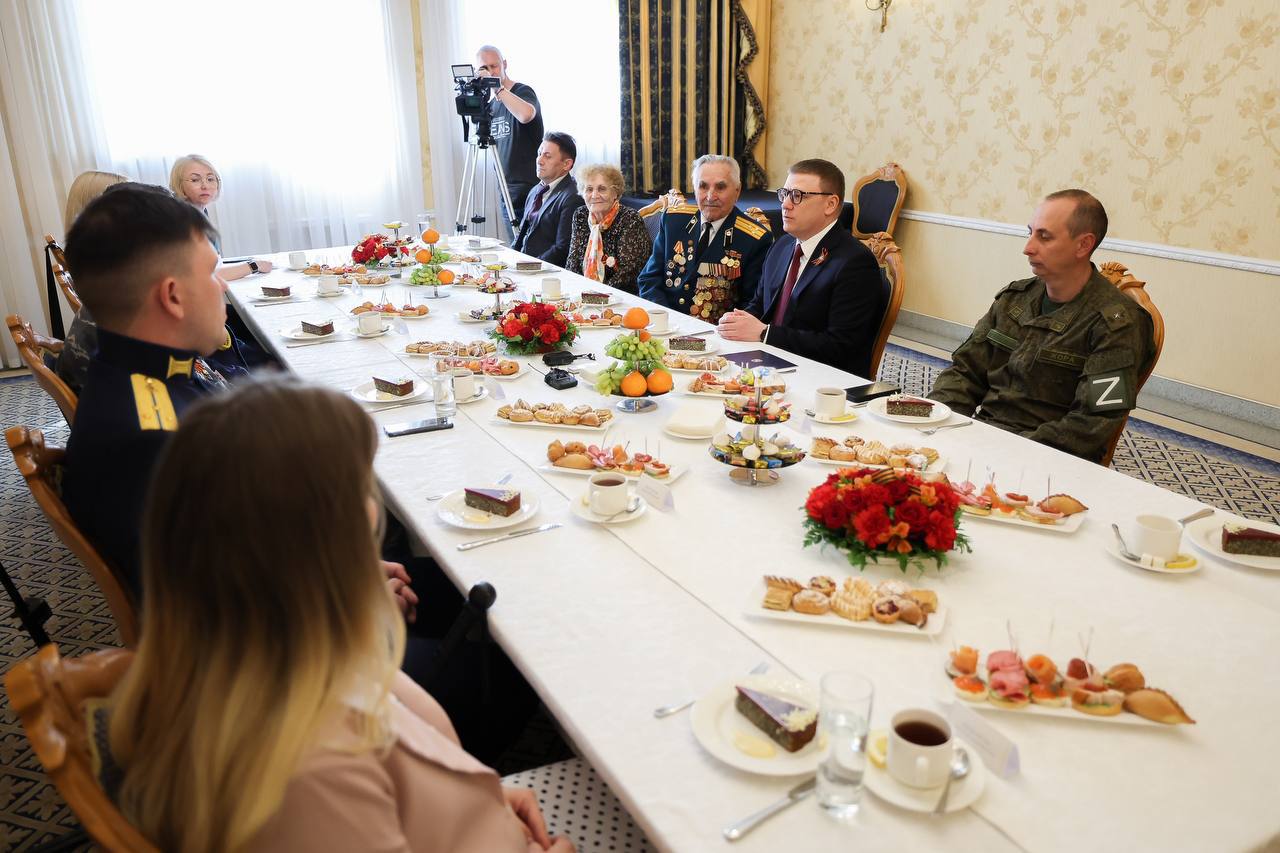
[878, 748]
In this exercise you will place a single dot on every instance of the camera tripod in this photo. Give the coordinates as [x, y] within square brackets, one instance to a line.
[481, 147]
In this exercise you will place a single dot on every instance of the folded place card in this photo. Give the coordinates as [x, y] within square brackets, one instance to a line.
[495, 389]
[997, 751]
[655, 494]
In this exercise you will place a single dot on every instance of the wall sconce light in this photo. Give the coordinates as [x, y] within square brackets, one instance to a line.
[883, 8]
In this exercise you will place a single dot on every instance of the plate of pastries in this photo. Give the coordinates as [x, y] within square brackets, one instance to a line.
[892, 606]
[552, 415]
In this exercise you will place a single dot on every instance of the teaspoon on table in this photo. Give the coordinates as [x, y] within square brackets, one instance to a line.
[959, 770]
[1124, 549]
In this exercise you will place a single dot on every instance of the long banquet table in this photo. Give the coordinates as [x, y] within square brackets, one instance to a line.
[608, 622]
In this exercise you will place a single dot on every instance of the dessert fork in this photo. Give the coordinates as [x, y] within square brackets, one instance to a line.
[677, 707]
[932, 430]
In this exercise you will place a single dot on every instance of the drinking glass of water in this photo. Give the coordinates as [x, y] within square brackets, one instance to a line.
[442, 391]
[843, 718]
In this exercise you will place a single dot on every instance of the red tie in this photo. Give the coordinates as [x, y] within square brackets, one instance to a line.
[793, 273]
[538, 195]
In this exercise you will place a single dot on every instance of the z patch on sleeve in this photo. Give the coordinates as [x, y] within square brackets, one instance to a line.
[1110, 392]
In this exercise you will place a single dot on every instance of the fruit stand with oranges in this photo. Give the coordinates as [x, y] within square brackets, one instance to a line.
[430, 271]
[638, 371]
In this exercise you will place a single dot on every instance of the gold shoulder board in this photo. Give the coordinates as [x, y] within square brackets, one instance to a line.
[746, 226]
[683, 208]
[155, 409]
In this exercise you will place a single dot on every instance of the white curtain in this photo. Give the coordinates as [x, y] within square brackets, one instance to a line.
[47, 136]
[567, 52]
[306, 109]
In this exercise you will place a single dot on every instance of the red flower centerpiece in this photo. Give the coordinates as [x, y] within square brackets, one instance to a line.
[872, 513]
[375, 248]
[530, 327]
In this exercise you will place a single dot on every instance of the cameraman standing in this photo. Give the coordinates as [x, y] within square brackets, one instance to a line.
[517, 129]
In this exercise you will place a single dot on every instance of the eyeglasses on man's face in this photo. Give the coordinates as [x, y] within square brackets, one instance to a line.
[796, 196]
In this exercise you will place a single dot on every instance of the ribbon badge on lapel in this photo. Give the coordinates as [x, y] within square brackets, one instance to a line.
[818, 261]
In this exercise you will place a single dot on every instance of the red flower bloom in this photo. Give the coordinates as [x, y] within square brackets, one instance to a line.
[940, 531]
[549, 333]
[872, 525]
[913, 513]
[819, 498]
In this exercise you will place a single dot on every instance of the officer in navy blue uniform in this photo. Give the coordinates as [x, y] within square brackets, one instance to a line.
[708, 257]
[144, 265]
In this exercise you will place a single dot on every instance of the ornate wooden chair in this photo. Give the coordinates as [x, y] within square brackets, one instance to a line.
[889, 256]
[33, 346]
[58, 260]
[48, 693]
[1119, 275]
[41, 467]
[877, 200]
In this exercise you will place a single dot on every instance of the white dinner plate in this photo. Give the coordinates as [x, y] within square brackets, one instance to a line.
[931, 628]
[386, 327]
[403, 316]
[689, 436]
[1066, 712]
[717, 724]
[588, 307]
[296, 334]
[603, 428]
[1070, 524]
[542, 270]
[582, 510]
[366, 393]
[520, 371]
[589, 327]
[941, 411]
[453, 510]
[1206, 534]
[465, 317]
[676, 471]
[963, 793]
[1114, 550]
[271, 300]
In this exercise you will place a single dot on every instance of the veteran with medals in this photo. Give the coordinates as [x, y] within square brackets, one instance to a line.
[708, 257]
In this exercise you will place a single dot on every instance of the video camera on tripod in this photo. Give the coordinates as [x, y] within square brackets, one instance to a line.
[473, 101]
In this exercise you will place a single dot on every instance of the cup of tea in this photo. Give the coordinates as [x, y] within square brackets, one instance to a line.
[551, 288]
[297, 260]
[464, 384]
[607, 493]
[328, 284]
[829, 402]
[1157, 535]
[369, 323]
[920, 748]
[658, 319]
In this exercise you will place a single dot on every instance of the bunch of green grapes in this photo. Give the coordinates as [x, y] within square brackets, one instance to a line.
[629, 348]
[425, 274]
[610, 379]
[439, 256]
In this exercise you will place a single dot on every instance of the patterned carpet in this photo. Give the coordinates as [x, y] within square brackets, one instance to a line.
[32, 813]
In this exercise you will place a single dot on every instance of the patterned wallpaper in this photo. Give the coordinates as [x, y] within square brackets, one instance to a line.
[1168, 110]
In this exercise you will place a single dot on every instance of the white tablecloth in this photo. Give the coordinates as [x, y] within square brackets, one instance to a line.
[609, 622]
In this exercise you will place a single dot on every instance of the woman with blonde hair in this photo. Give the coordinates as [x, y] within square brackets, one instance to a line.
[264, 709]
[193, 179]
[85, 188]
[610, 242]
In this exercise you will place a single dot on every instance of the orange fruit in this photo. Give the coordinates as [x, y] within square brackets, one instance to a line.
[643, 335]
[445, 276]
[430, 236]
[635, 318]
[660, 381]
[634, 384]
[423, 256]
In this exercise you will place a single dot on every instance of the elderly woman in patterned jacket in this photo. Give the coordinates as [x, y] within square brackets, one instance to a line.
[610, 242]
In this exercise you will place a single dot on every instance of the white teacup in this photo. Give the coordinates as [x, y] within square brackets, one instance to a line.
[829, 402]
[370, 323]
[551, 288]
[920, 748]
[328, 284]
[1156, 535]
[297, 260]
[607, 493]
[658, 319]
[464, 384]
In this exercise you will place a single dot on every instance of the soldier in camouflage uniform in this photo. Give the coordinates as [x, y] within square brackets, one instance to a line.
[1057, 357]
[707, 258]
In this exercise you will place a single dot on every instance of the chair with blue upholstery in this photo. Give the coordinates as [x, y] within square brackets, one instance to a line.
[877, 200]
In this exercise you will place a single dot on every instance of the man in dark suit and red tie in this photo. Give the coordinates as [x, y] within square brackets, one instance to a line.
[547, 227]
[821, 294]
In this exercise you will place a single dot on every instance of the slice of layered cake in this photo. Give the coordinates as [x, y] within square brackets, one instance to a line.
[401, 387]
[1238, 539]
[687, 343]
[913, 407]
[528, 266]
[502, 502]
[275, 291]
[321, 327]
[789, 725]
[592, 297]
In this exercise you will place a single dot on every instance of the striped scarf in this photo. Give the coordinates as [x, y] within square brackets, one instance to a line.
[593, 264]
